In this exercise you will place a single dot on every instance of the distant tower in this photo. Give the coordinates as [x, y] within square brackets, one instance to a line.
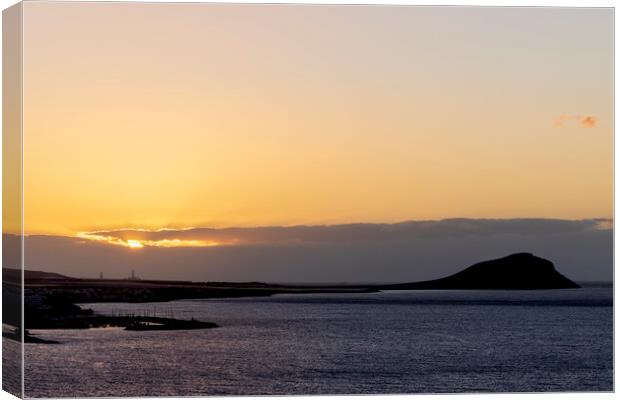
[100, 275]
[133, 275]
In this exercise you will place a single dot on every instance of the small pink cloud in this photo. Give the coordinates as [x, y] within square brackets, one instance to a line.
[583, 121]
[588, 121]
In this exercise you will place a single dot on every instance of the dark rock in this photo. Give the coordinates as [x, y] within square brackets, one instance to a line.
[516, 271]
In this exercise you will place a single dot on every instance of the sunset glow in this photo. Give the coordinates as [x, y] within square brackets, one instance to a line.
[134, 244]
[268, 115]
[140, 243]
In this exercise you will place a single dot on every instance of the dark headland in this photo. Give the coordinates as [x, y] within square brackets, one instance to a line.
[514, 272]
[50, 299]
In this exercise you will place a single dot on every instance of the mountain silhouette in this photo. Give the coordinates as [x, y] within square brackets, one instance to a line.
[516, 271]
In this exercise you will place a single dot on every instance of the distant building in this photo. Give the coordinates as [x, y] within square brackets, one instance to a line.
[133, 276]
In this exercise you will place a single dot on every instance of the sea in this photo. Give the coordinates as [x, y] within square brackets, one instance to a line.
[369, 343]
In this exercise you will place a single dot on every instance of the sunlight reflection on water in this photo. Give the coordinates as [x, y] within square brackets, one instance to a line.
[394, 342]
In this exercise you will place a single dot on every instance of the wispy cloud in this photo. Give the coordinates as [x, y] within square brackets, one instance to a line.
[139, 238]
[588, 121]
[583, 121]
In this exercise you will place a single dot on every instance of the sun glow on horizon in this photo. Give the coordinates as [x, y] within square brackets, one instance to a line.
[134, 244]
[141, 243]
[366, 118]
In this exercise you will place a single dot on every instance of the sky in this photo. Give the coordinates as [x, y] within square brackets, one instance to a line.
[179, 116]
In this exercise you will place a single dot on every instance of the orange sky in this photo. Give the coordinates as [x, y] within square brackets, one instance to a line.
[180, 115]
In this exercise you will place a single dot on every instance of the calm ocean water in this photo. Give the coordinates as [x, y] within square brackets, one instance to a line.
[392, 342]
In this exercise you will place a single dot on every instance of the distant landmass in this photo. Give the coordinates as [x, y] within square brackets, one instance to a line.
[50, 299]
[516, 271]
[14, 275]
